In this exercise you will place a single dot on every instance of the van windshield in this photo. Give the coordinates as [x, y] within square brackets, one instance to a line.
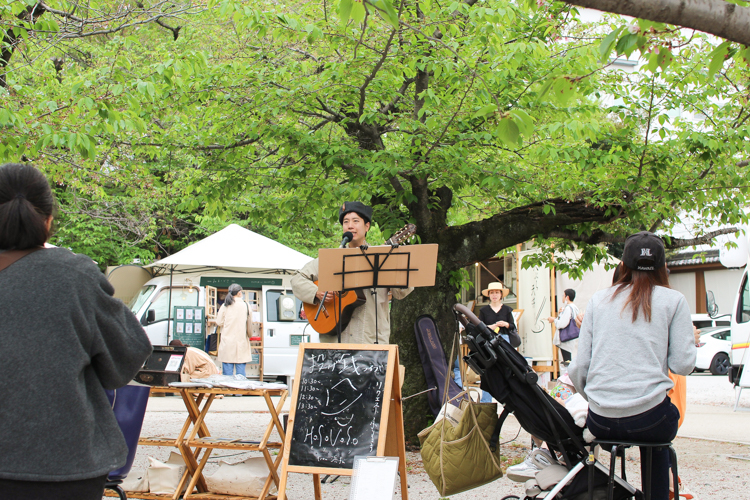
[137, 302]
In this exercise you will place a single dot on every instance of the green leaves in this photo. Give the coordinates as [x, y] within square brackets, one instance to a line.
[605, 48]
[717, 57]
[345, 11]
[386, 11]
[357, 9]
[485, 111]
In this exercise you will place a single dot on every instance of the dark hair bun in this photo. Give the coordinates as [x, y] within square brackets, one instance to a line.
[26, 204]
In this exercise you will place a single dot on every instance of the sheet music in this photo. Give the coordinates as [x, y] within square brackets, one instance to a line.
[374, 478]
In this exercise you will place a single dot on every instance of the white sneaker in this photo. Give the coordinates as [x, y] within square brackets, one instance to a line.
[537, 460]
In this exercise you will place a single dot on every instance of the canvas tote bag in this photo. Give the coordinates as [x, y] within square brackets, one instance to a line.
[456, 450]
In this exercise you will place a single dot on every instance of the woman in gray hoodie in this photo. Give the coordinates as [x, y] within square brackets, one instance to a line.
[632, 335]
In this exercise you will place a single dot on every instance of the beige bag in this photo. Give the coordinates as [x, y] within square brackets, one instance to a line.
[471, 377]
[163, 477]
[134, 482]
[244, 479]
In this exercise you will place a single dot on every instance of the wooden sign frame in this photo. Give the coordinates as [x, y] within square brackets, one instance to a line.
[391, 442]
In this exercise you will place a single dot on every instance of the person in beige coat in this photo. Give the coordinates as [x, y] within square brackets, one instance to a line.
[234, 344]
[355, 218]
[197, 363]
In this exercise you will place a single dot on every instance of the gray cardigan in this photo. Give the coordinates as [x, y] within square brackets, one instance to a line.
[621, 367]
[63, 340]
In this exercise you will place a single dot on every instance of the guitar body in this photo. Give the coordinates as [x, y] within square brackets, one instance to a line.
[327, 322]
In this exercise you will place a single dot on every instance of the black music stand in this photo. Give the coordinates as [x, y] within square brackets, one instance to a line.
[368, 268]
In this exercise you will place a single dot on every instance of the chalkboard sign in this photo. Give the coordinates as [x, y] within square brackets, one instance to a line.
[346, 402]
[338, 409]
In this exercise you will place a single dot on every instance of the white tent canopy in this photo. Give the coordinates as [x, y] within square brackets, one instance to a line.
[237, 249]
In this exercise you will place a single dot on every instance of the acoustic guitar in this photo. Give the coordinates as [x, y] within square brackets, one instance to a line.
[328, 320]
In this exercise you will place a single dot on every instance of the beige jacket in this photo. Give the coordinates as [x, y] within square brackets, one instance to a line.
[361, 328]
[197, 364]
[234, 345]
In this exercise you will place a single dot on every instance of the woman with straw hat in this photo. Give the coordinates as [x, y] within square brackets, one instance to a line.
[497, 315]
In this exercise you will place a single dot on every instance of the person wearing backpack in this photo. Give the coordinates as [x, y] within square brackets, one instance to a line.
[567, 326]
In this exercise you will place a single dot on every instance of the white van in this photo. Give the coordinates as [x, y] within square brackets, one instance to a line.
[268, 295]
[740, 327]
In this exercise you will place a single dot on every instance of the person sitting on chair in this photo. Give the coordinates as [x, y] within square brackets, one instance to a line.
[640, 318]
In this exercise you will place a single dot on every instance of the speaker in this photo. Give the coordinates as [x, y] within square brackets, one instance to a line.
[287, 308]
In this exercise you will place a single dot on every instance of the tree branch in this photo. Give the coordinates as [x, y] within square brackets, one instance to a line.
[600, 236]
[723, 19]
[463, 245]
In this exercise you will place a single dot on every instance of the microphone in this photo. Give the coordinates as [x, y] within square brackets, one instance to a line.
[348, 236]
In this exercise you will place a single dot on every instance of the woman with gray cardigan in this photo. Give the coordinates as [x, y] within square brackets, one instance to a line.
[632, 334]
[63, 339]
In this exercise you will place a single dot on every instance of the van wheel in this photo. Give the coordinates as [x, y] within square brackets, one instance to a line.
[720, 364]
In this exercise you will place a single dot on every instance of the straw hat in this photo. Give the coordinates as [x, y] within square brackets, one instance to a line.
[496, 285]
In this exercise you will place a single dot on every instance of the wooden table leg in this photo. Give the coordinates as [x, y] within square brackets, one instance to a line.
[273, 466]
[197, 415]
[198, 476]
[275, 412]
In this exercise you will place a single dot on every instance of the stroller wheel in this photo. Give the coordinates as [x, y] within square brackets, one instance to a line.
[511, 496]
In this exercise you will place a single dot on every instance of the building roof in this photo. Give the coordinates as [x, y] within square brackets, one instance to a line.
[694, 257]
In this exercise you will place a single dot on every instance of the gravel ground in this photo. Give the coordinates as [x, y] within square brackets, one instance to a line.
[707, 468]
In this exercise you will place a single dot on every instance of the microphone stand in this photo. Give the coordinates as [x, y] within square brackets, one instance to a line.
[346, 239]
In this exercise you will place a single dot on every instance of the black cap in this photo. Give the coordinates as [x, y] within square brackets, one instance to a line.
[644, 251]
[357, 207]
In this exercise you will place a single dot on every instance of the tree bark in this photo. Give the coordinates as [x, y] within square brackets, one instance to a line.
[723, 19]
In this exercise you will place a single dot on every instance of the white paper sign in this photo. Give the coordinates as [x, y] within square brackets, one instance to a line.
[174, 363]
[374, 478]
[534, 299]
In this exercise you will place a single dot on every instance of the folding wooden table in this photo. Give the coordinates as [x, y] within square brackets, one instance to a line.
[195, 438]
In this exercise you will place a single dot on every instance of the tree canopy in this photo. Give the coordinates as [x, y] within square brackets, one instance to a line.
[485, 123]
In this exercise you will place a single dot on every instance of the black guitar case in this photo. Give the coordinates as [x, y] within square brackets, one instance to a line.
[433, 359]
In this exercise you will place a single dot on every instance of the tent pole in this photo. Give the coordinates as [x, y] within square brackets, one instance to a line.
[169, 307]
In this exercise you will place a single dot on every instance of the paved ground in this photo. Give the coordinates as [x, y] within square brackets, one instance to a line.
[712, 446]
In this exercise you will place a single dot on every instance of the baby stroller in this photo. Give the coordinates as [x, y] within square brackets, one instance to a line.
[508, 378]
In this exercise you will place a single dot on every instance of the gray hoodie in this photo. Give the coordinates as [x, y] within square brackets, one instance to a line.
[621, 367]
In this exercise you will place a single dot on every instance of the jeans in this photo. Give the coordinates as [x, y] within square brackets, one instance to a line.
[486, 397]
[229, 368]
[657, 425]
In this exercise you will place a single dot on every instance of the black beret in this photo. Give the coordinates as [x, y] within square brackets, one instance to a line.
[357, 207]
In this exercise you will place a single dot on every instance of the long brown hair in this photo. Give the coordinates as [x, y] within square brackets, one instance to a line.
[641, 285]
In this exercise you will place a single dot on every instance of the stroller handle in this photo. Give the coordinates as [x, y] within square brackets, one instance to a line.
[465, 316]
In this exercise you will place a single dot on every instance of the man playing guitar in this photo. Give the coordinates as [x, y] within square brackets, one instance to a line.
[354, 218]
